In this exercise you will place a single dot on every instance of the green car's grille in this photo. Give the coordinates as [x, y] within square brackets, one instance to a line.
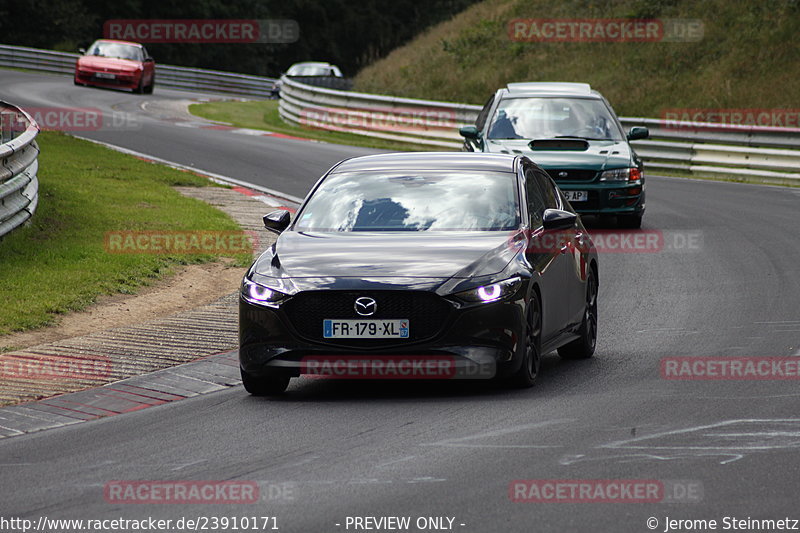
[571, 174]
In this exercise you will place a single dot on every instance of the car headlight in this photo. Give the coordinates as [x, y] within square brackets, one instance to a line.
[259, 294]
[492, 293]
[621, 174]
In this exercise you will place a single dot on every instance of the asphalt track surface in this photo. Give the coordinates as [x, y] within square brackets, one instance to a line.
[725, 284]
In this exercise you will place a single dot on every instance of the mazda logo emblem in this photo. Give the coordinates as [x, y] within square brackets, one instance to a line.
[562, 174]
[366, 306]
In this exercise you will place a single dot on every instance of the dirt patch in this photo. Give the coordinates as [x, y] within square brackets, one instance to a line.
[190, 287]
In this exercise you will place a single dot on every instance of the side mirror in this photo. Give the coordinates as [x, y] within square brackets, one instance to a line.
[557, 219]
[82, 50]
[148, 60]
[277, 221]
[470, 132]
[638, 132]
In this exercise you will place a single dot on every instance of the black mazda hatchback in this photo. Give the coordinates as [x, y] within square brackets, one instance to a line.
[420, 266]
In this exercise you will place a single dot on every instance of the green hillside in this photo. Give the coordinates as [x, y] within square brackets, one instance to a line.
[749, 56]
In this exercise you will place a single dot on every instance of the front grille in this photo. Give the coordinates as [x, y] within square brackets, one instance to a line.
[426, 312]
[572, 174]
[116, 81]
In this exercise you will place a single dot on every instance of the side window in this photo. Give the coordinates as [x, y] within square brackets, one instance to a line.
[480, 122]
[536, 205]
[548, 190]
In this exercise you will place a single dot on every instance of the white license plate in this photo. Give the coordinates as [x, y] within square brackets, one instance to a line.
[106, 75]
[576, 196]
[365, 329]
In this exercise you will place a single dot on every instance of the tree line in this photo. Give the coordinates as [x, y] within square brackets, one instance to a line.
[351, 34]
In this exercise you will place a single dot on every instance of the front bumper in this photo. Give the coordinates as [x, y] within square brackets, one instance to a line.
[121, 80]
[481, 341]
[608, 198]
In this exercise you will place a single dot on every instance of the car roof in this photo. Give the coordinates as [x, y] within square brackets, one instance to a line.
[550, 88]
[462, 161]
[312, 63]
[118, 41]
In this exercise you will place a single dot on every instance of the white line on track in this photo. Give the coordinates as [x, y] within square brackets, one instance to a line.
[705, 431]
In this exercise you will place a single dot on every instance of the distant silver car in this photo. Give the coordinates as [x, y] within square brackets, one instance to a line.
[315, 69]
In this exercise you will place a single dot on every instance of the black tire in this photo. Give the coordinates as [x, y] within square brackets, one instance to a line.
[526, 376]
[630, 221]
[271, 384]
[583, 346]
[140, 88]
[149, 88]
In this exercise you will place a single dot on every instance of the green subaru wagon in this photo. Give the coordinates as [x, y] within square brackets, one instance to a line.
[572, 132]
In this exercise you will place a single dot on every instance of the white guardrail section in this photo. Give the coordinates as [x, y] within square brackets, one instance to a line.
[19, 188]
[384, 117]
[701, 148]
[166, 75]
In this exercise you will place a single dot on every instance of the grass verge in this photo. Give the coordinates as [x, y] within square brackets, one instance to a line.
[59, 263]
[263, 115]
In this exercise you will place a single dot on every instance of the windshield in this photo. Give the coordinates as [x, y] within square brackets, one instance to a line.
[546, 118]
[424, 201]
[117, 50]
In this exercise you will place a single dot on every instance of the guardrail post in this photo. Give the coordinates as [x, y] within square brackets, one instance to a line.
[7, 119]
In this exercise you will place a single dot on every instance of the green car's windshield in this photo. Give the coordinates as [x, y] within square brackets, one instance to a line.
[546, 118]
[419, 201]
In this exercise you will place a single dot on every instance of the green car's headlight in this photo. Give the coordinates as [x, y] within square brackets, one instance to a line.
[259, 294]
[493, 292]
[621, 174]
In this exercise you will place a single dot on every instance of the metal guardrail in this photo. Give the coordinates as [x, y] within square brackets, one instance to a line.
[385, 117]
[183, 78]
[714, 149]
[329, 82]
[19, 187]
[701, 148]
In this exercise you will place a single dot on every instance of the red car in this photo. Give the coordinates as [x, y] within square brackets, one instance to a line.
[121, 64]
